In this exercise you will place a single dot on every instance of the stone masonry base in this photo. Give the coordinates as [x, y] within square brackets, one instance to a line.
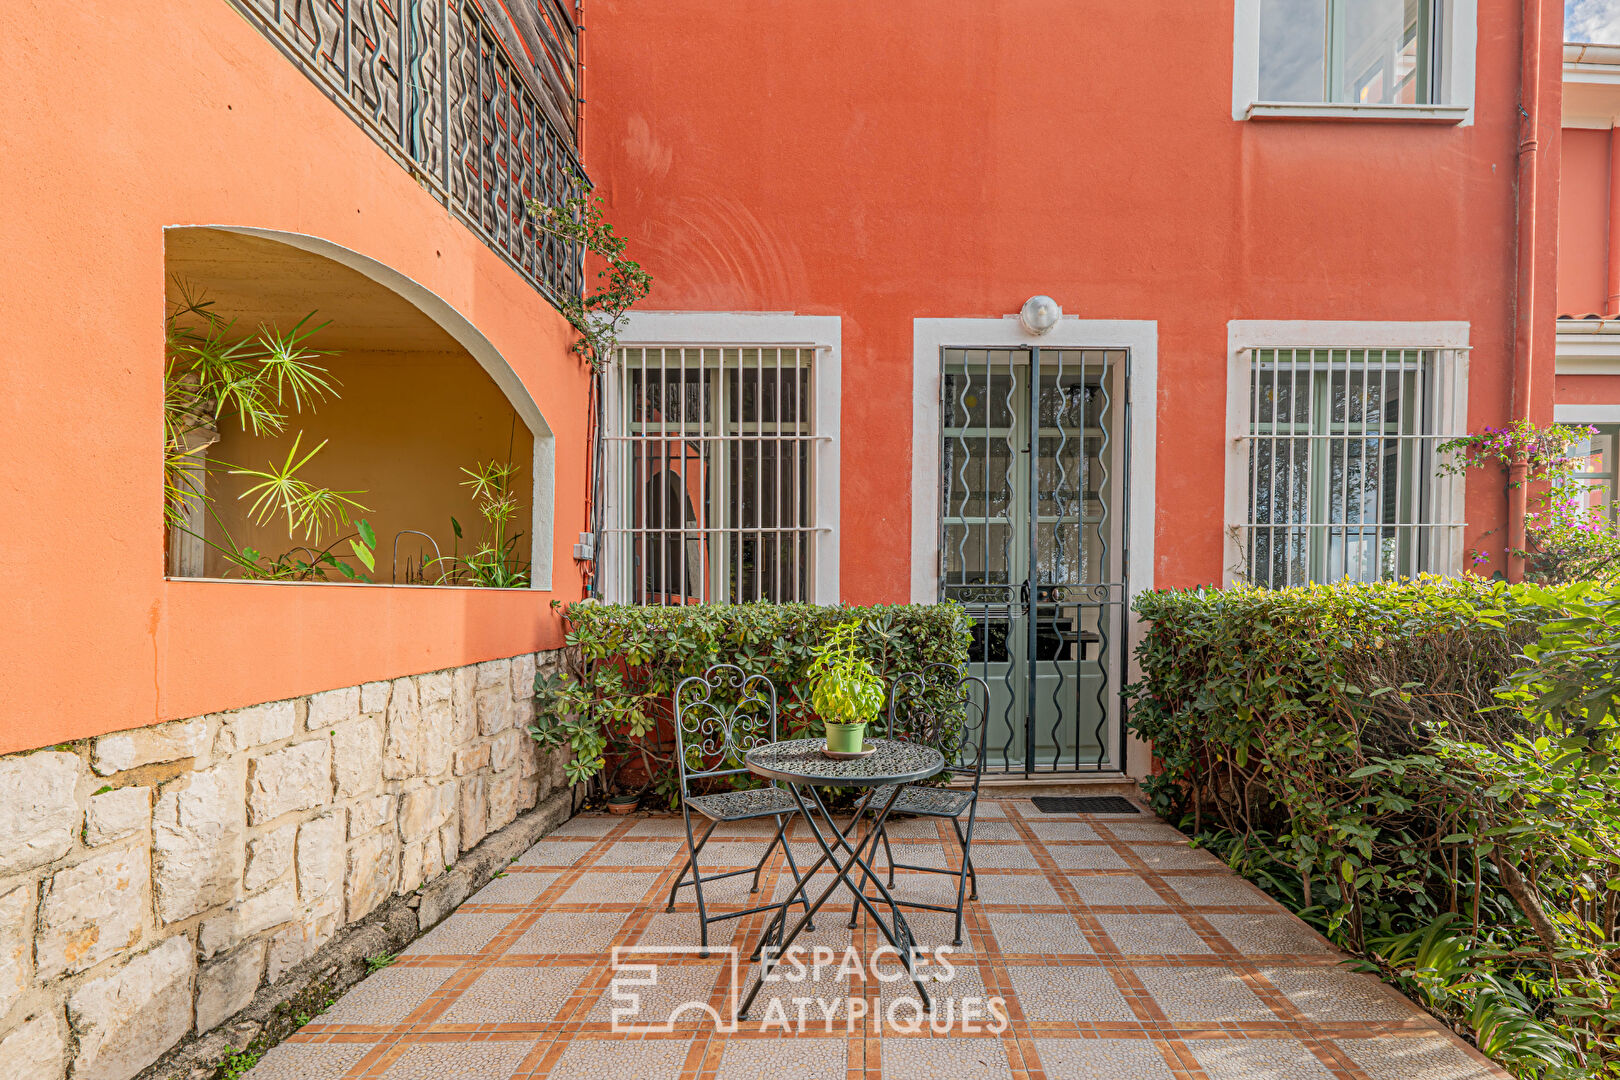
[163, 883]
[340, 963]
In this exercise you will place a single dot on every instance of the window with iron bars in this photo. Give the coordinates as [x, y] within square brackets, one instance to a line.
[710, 484]
[1343, 477]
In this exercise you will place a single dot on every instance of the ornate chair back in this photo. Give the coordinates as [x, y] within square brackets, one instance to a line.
[943, 707]
[720, 716]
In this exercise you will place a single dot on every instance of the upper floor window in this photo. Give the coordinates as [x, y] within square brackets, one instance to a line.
[1595, 466]
[1377, 59]
[1357, 52]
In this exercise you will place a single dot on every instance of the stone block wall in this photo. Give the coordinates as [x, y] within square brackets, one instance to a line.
[151, 881]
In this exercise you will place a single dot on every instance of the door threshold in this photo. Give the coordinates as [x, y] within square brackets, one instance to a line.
[1045, 780]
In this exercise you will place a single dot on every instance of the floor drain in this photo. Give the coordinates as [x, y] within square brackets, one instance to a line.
[1083, 804]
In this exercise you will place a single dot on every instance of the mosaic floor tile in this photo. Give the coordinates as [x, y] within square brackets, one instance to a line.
[1101, 1059]
[991, 808]
[387, 996]
[1115, 890]
[1176, 857]
[945, 1059]
[1081, 994]
[682, 985]
[459, 935]
[934, 929]
[914, 828]
[641, 853]
[1017, 889]
[1031, 934]
[513, 888]
[674, 826]
[994, 829]
[578, 933]
[1225, 1022]
[1427, 1057]
[1211, 890]
[459, 1061]
[508, 995]
[958, 1000]
[1203, 994]
[1330, 994]
[914, 854]
[643, 1059]
[730, 854]
[1258, 1059]
[587, 825]
[1085, 857]
[1008, 856]
[1063, 830]
[308, 1061]
[1269, 935]
[1152, 935]
[608, 888]
[682, 928]
[1136, 831]
[554, 853]
[784, 1059]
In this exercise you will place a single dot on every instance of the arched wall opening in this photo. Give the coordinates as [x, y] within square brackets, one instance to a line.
[420, 396]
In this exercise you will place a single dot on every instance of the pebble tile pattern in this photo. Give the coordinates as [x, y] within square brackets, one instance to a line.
[1116, 950]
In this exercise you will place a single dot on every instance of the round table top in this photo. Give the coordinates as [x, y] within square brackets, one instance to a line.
[800, 761]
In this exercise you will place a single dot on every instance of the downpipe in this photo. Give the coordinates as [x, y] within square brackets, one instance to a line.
[1525, 311]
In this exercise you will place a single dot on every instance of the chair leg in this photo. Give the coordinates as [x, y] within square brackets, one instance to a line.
[692, 848]
[889, 853]
[967, 871]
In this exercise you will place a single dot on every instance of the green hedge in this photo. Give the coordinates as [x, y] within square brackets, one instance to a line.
[611, 704]
[1425, 769]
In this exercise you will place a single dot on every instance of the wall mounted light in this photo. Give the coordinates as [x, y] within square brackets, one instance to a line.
[1039, 314]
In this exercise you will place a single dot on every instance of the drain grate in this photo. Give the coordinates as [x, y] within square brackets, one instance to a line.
[1083, 804]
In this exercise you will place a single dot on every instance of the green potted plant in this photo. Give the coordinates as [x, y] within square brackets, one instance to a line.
[844, 689]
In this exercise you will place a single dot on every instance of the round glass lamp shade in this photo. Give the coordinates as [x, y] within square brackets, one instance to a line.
[1039, 314]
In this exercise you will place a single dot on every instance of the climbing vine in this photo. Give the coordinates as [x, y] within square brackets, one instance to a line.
[599, 313]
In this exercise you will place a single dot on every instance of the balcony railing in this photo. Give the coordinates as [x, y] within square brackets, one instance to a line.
[432, 82]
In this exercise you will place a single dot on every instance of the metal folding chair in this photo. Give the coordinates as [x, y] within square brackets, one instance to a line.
[720, 716]
[947, 709]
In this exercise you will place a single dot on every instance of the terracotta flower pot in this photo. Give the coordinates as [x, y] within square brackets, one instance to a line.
[622, 804]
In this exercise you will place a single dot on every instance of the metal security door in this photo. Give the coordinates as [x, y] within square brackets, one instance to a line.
[1033, 473]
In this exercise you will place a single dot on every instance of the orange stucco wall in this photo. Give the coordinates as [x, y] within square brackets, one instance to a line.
[1583, 222]
[1588, 390]
[122, 119]
[884, 162]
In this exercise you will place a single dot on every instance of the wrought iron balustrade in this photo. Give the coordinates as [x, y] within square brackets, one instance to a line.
[433, 82]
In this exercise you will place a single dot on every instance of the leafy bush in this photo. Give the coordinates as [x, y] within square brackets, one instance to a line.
[1423, 769]
[611, 706]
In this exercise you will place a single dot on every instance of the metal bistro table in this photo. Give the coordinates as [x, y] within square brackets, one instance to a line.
[803, 766]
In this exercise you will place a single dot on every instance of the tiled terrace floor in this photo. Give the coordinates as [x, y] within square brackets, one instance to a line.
[1120, 952]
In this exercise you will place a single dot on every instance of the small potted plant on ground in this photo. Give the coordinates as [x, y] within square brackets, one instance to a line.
[621, 803]
[844, 689]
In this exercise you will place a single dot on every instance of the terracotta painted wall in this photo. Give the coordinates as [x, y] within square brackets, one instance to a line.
[883, 162]
[122, 119]
[1583, 222]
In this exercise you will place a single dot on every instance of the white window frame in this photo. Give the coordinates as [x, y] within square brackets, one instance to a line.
[1245, 335]
[1458, 27]
[768, 330]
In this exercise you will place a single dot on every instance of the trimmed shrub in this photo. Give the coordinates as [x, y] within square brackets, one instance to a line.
[1428, 770]
[612, 705]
